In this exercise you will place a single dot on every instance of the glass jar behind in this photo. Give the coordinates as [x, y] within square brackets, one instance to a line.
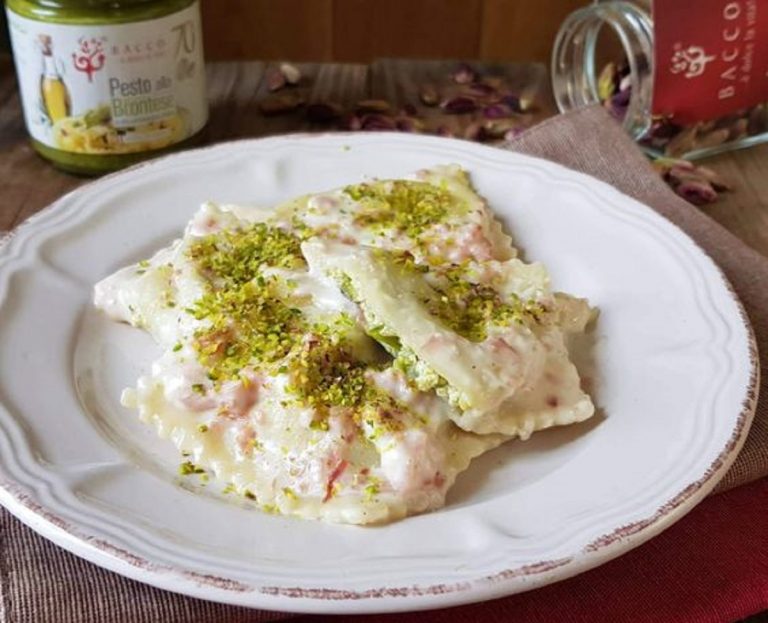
[692, 81]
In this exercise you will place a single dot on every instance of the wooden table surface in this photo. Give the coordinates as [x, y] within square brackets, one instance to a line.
[29, 183]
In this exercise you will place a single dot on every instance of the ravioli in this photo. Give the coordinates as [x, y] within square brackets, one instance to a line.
[345, 355]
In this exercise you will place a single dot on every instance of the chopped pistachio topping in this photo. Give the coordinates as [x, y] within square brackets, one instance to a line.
[466, 308]
[187, 468]
[417, 371]
[272, 509]
[234, 257]
[406, 260]
[405, 206]
[470, 309]
[247, 324]
[325, 374]
[371, 491]
[321, 425]
[391, 343]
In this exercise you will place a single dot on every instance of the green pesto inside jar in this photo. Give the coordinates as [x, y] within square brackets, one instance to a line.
[107, 13]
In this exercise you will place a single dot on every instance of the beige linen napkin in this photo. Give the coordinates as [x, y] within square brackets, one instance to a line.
[587, 140]
[41, 583]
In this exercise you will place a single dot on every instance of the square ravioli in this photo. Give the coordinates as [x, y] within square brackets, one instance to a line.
[345, 355]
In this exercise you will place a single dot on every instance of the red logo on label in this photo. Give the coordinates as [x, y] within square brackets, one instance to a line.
[710, 57]
[89, 58]
[691, 61]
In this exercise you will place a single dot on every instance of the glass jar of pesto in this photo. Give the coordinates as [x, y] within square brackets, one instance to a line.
[107, 83]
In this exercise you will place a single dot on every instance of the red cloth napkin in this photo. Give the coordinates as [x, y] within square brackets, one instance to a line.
[710, 567]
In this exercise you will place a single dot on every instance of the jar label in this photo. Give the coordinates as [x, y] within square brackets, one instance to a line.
[710, 57]
[111, 89]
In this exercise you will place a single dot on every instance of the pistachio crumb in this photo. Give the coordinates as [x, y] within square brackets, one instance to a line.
[187, 468]
[406, 206]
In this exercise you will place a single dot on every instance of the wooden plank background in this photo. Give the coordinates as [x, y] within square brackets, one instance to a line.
[360, 31]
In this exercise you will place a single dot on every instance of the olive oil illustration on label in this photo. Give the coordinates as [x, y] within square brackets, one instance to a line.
[112, 89]
[56, 102]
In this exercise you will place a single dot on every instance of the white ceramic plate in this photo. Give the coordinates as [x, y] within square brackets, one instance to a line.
[674, 377]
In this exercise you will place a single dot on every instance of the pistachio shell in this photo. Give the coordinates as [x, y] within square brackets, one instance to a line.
[459, 105]
[474, 131]
[378, 106]
[684, 141]
[291, 73]
[696, 184]
[323, 112]
[376, 121]
[713, 138]
[696, 192]
[353, 123]
[527, 103]
[513, 101]
[493, 81]
[664, 129]
[498, 128]
[496, 111]
[429, 95]
[409, 124]
[738, 129]
[618, 104]
[482, 90]
[464, 74]
[606, 83]
[717, 182]
[281, 103]
[513, 133]
[275, 79]
[758, 119]
[677, 175]
[625, 84]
